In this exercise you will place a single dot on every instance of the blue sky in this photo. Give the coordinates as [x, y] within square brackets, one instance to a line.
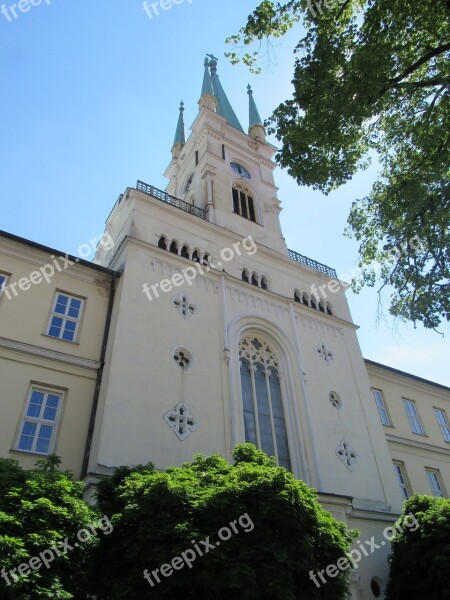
[89, 102]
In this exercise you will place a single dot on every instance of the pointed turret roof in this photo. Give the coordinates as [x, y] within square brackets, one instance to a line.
[254, 118]
[180, 134]
[222, 103]
[207, 81]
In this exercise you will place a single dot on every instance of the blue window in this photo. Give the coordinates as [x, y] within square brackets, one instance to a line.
[262, 404]
[37, 432]
[65, 317]
[3, 281]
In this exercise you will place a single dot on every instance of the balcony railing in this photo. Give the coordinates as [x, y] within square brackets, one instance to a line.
[313, 264]
[199, 212]
[168, 199]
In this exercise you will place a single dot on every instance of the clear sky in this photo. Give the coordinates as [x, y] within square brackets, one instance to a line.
[89, 101]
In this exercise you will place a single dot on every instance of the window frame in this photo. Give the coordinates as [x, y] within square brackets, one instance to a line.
[413, 417]
[402, 478]
[444, 427]
[441, 487]
[246, 206]
[5, 282]
[256, 367]
[78, 321]
[382, 408]
[40, 421]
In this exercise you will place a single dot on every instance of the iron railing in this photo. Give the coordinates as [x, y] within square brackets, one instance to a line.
[313, 264]
[199, 212]
[168, 199]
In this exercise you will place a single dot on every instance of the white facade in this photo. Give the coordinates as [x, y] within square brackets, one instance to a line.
[153, 409]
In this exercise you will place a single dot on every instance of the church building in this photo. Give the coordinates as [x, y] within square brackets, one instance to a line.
[196, 329]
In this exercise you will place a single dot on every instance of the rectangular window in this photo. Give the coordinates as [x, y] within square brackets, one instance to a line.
[223, 151]
[38, 429]
[413, 417]
[196, 157]
[65, 317]
[3, 282]
[382, 411]
[435, 482]
[402, 479]
[443, 423]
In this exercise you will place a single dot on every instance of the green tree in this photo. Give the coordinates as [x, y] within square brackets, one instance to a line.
[39, 509]
[372, 78]
[420, 559]
[282, 533]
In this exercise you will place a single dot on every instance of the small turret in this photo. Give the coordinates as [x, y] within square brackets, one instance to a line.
[256, 128]
[180, 134]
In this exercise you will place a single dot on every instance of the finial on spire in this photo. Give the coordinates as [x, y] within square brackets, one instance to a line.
[207, 88]
[180, 134]
[256, 127]
[223, 106]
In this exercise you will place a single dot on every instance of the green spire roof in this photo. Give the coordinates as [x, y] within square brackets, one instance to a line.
[207, 82]
[180, 135]
[223, 105]
[254, 117]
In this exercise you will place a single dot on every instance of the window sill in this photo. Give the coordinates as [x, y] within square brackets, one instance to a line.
[52, 337]
[28, 453]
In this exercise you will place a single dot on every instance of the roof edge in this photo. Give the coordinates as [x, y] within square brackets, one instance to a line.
[405, 374]
[47, 249]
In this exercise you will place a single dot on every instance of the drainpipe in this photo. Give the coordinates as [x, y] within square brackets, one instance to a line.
[98, 382]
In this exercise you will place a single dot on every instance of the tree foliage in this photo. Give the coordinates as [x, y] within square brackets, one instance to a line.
[373, 77]
[39, 509]
[162, 514]
[420, 558]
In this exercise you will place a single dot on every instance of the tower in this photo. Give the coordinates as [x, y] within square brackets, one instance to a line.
[220, 334]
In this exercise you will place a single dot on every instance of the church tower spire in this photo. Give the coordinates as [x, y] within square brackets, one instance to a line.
[256, 128]
[207, 98]
[180, 134]
[223, 106]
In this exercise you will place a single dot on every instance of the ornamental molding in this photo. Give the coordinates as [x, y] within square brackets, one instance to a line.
[257, 351]
[256, 303]
[325, 353]
[184, 306]
[347, 454]
[182, 421]
[321, 327]
[46, 354]
[168, 270]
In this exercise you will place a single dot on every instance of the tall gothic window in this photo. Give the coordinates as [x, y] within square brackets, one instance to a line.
[264, 421]
[243, 204]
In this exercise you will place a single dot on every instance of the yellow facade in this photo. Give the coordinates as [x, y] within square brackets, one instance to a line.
[427, 449]
[34, 362]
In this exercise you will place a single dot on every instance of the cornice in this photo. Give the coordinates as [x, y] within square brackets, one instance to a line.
[45, 353]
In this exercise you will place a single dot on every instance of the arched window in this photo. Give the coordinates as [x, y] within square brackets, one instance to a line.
[297, 296]
[254, 280]
[243, 203]
[245, 276]
[305, 299]
[313, 303]
[162, 243]
[174, 247]
[195, 257]
[184, 252]
[329, 310]
[322, 306]
[188, 185]
[206, 259]
[264, 422]
[264, 283]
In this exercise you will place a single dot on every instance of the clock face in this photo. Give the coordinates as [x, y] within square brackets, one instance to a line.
[240, 170]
